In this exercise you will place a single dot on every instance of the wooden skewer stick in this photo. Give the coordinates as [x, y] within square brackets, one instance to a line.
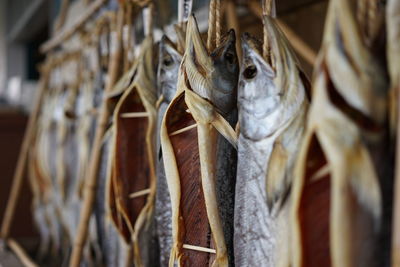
[22, 159]
[21, 254]
[323, 171]
[185, 129]
[67, 33]
[91, 182]
[197, 248]
[140, 193]
[134, 115]
[298, 44]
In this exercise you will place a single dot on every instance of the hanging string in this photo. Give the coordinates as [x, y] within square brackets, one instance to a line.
[148, 19]
[211, 24]
[218, 23]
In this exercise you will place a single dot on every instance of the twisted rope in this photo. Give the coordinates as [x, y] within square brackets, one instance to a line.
[218, 22]
[211, 24]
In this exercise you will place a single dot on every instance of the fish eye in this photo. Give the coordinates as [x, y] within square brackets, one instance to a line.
[230, 57]
[250, 72]
[168, 61]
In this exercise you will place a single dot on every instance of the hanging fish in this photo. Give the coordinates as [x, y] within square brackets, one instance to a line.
[167, 76]
[273, 102]
[336, 194]
[39, 174]
[43, 168]
[133, 180]
[116, 251]
[200, 162]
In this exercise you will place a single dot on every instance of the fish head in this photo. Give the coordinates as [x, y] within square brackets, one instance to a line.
[168, 68]
[226, 73]
[257, 94]
[270, 89]
[213, 75]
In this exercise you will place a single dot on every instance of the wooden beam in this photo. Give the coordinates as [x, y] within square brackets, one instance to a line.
[301, 47]
[67, 33]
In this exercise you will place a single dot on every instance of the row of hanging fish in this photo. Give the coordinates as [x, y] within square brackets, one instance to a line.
[210, 162]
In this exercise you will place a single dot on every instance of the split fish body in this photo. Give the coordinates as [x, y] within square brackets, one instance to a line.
[167, 76]
[337, 174]
[113, 246]
[272, 106]
[133, 160]
[199, 163]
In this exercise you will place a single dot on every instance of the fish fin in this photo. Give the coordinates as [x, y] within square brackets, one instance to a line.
[276, 175]
[225, 129]
[364, 182]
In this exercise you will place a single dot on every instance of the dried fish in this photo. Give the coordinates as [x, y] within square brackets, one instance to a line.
[40, 181]
[272, 101]
[336, 193]
[167, 76]
[200, 162]
[133, 180]
[43, 172]
[116, 251]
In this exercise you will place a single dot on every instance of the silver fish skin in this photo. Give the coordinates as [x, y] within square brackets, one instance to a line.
[272, 107]
[167, 77]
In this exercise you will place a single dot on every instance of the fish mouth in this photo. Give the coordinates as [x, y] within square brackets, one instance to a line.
[279, 49]
[251, 43]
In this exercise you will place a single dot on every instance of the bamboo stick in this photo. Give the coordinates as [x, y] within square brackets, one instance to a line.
[67, 33]
[185, 129]
[197, 248]
[23, 157]
[62, 15]
[304, 50]
[140, 193]
[91, 182]
[21, 254]
[130, 115]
